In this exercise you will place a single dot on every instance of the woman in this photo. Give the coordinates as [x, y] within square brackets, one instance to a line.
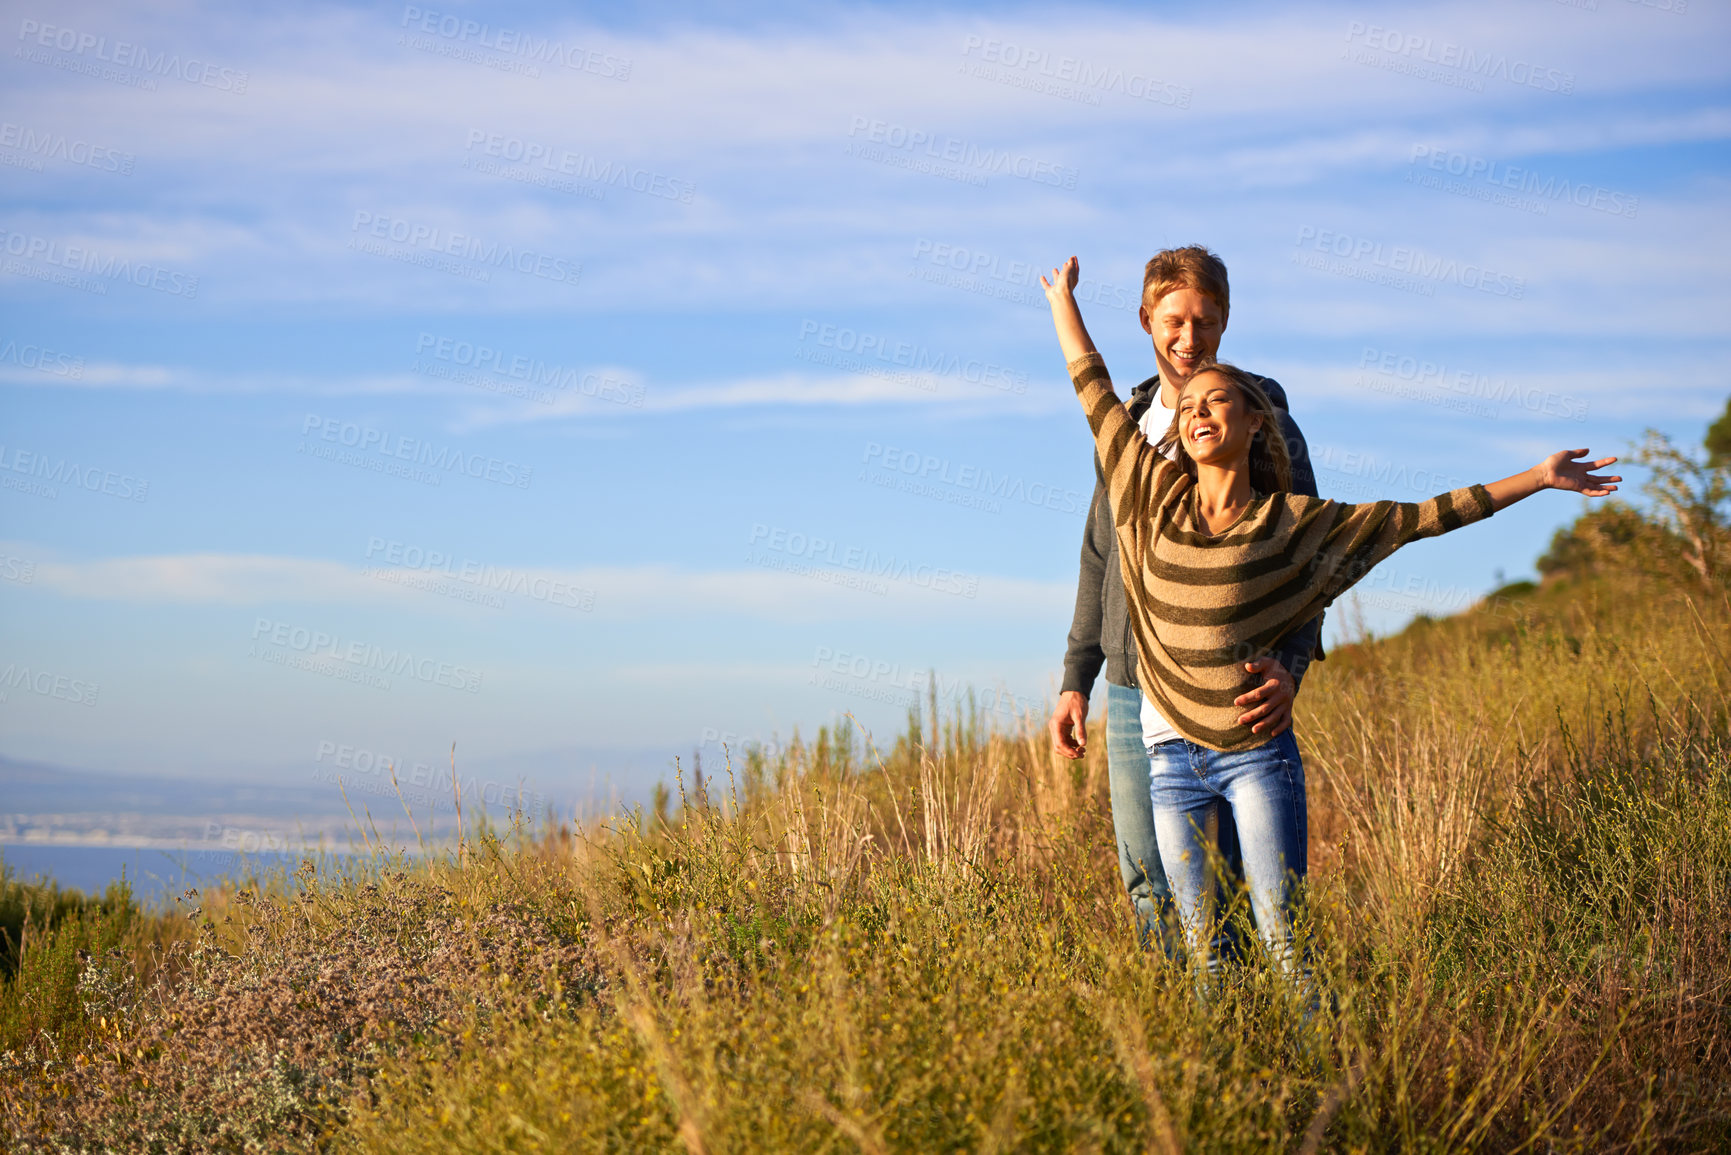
[1220, 562]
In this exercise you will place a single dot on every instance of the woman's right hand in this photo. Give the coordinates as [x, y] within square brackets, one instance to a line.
[1066, 316]
[1062, 287]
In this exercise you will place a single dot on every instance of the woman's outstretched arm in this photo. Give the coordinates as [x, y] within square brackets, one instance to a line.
[1135, 473]
[1365, 534]
[1066, 316]
[1561, 470]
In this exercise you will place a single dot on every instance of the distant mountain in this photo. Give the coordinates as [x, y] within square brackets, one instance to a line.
[43, 787]
[45, 803]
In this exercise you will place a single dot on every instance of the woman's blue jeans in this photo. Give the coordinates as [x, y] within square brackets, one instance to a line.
[1139, 865]
[1265, 788]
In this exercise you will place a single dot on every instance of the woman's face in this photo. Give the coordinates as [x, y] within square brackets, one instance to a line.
[1214, 421]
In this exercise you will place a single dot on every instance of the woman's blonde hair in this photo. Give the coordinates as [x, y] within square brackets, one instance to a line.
[1270, 461]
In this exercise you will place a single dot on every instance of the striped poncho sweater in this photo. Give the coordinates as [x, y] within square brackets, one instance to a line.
[1201, 606]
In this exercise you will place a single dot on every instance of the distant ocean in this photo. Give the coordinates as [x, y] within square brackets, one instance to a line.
[155, 873]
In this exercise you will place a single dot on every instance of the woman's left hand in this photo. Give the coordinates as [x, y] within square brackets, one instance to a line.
[1564, 470]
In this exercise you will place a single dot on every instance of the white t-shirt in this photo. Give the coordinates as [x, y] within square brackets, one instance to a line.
[1155, 728]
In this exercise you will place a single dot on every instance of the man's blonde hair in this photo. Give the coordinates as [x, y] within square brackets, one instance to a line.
[1191, 267]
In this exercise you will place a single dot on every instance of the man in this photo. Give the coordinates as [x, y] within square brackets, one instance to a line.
[1185, 303]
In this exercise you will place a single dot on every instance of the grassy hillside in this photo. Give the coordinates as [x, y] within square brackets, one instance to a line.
[1520, 910]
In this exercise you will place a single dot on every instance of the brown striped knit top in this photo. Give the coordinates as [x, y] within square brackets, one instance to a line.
[1200, 605]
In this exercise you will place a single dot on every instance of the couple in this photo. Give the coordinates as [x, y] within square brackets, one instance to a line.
[1206, 564]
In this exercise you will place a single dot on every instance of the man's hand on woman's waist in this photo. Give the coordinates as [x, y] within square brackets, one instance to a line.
[1268, 708]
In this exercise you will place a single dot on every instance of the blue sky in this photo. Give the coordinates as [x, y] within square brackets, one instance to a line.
[554, 383]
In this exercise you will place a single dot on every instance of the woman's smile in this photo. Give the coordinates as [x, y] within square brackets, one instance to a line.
[1203, 433]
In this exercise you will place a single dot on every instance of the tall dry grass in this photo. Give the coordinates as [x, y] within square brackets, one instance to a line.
[1518, 913]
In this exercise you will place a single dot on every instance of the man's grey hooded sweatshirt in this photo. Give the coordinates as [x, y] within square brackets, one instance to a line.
[1100, 629]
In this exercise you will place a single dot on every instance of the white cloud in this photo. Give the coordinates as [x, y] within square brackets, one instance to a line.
[870, 586]
[339, 116]
[588, 392]
[780, 392]
[119, 375]
[209, 579]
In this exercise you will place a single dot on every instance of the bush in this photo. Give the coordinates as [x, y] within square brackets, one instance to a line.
[46, 935]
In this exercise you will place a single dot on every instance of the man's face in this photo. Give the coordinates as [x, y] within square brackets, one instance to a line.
[1186, 326]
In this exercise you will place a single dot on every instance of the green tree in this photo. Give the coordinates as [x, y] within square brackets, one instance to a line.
[1612, 533]
[1719, 439]
[1692, 494]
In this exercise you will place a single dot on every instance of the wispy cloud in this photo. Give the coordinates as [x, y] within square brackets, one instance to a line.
[210, 579]
[758, 122]
[821, 592]
[625, 392]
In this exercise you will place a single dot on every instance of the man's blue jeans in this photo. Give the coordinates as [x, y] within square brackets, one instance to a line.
[1139, 862]
[1265, 788]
